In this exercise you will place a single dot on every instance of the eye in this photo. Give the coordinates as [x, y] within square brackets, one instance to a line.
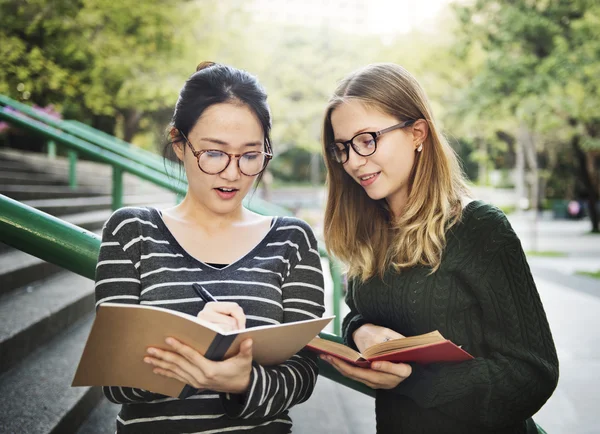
[214, 154]
[250, 156]
[365, 140]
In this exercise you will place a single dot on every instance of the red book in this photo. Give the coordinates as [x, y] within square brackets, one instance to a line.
[428, 348]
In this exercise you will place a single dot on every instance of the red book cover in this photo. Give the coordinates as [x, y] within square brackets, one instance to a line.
[444, 351]
[441, 351]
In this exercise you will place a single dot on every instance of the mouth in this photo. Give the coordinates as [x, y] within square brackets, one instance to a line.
[368, 179]
[226, 192]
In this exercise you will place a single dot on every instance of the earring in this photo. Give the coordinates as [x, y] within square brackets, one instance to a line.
[420, 148]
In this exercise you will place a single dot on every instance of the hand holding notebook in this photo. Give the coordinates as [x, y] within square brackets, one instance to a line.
[119, 362]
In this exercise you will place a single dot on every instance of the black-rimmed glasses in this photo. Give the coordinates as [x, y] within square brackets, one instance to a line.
[364, 144]
[215, 161]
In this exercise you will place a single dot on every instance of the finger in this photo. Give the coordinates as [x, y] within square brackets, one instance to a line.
[364, 374]
[399, 369]
[222, 320]
[191, 355]
[171, 374]
[349, 375]
[189, 369]
[232, 309]
[170, 367]
[245, 350]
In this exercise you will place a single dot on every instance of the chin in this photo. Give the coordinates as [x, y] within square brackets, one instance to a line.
[225, 208]
[376, 194]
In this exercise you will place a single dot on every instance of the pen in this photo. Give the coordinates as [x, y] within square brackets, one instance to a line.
[203, 293]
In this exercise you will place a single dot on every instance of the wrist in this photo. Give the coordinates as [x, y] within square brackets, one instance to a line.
[241, 386]
[359, 333]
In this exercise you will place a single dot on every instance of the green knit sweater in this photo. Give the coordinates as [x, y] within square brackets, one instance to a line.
[482, 297]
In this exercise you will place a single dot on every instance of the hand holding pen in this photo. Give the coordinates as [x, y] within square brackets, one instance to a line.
[228, 316]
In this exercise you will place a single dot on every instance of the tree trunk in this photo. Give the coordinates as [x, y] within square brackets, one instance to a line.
[483, 162]
[586, 178]
[104, 123]
[529, 150]
[131, 124]
[519, 173]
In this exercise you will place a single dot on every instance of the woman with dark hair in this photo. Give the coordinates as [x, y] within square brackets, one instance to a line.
[262, 270]
[423, 256]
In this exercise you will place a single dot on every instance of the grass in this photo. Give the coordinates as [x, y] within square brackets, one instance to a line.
[508, 209]
[594, 274]
[545, 253]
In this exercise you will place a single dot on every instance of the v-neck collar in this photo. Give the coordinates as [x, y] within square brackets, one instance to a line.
[173, 241]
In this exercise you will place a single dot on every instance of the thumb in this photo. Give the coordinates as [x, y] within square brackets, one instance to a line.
[246, 349]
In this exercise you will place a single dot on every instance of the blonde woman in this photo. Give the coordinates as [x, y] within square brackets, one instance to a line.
[422, 256]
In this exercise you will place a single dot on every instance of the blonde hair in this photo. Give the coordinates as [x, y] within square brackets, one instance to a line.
[363, 232]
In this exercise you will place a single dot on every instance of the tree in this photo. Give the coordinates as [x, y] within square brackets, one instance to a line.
[105, 62]
[540, 60]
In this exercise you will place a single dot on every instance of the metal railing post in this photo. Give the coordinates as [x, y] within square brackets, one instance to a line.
[72, 169]
[51, 149]
[117, 188]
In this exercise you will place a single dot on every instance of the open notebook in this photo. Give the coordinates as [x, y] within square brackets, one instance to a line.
[121, 333]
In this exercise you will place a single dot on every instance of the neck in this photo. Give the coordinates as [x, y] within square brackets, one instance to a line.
[397, 201]
[194, 212]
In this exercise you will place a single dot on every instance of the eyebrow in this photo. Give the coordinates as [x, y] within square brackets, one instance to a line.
[221, 142]
[362, 130]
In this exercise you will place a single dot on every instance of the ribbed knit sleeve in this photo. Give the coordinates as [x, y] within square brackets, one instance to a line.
[353, 320]
[519, 370]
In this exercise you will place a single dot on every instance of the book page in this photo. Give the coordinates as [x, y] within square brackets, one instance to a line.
[403, 343]
[335, 348]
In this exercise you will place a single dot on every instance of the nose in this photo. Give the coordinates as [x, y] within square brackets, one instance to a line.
[232, 171]
[354, 160]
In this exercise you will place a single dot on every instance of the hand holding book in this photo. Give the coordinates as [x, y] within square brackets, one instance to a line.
[427, 348]
[369, 334]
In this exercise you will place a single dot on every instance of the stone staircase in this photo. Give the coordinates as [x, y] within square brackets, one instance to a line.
[46, 313]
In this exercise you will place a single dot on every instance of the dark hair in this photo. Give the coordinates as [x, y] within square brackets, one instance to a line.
[213, 83]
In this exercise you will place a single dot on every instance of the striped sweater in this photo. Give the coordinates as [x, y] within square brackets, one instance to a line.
[280, 280]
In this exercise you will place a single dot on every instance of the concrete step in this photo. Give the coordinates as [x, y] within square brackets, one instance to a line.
[81, 204]
[91, 220]
[14, 166]
[36, 192]
[102, 420]
[4, 248]
[34, 315]
[89, 173]
[36, 397]
[31, 178]
[19, 269]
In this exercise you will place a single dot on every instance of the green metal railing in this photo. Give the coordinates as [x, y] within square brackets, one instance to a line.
[89, 134]
[76, 249]
[124, 159]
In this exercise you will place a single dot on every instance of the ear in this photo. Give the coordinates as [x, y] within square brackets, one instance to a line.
[420, 131]
[177, 142]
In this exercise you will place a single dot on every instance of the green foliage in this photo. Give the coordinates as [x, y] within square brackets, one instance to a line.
[97, 58]
[294, 166]
[593, 274]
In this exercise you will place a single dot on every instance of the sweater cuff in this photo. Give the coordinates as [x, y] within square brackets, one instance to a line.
[414, 387]
[350, 327]
[234, 404]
